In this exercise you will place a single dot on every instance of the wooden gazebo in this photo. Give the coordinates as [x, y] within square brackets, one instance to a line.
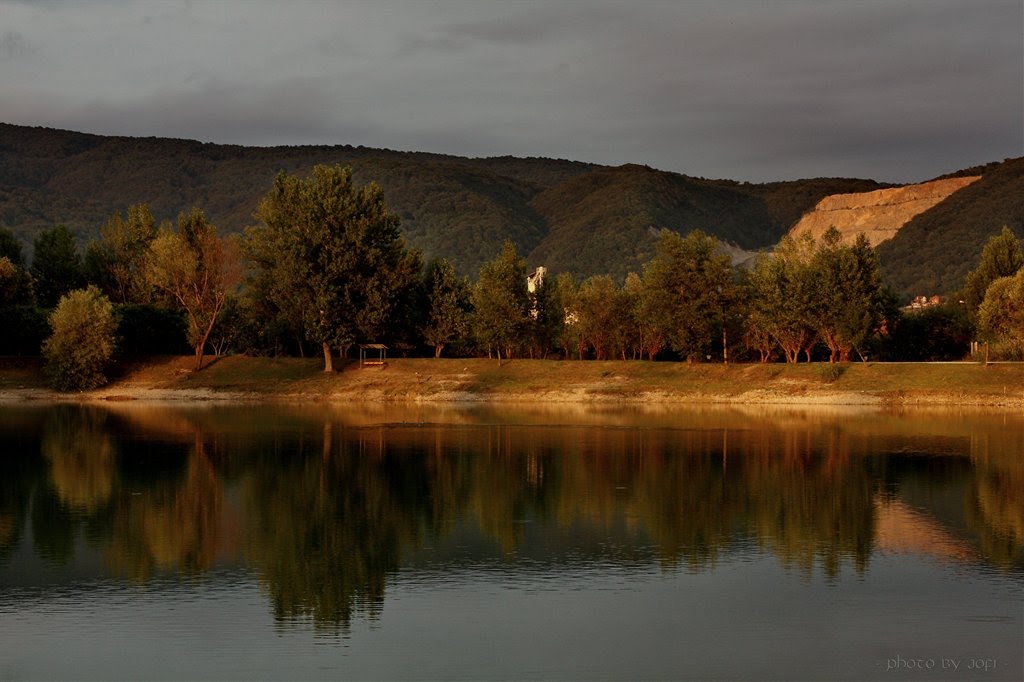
[372, 354]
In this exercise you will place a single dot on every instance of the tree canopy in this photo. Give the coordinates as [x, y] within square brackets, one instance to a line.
[120, 254]
[1001, 256]
[197, 269]
[56, 265]
[83, 340]
[332, 253]
[448, 302]
[501, 302]
[685, 288]
[1001, 314]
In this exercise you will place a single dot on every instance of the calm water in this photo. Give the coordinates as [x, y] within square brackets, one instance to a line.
[142, 542]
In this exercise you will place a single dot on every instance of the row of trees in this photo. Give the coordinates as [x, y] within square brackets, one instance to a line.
[326, 267]
[691, 302]
[176, 280]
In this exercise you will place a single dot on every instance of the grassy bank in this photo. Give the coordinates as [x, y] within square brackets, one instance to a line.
[241, 377]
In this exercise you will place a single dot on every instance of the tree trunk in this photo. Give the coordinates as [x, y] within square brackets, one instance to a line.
[328, 360]
[199, 356]
[438, 347]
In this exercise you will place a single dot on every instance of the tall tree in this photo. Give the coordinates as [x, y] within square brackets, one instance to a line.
[198, 270]
[783, 296]
[120, 254]
[448, 301]
[561, 315]
[686, 287]
[501, 302]
[1002, 256]
[334, 255]
[56, 265]
[1001, 314]
[548, 317]
[598, 315]
[847, 293]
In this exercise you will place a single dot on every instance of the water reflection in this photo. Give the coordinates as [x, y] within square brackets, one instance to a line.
[325, 505]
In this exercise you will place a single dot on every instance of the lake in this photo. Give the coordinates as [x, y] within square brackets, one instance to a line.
[141, 541]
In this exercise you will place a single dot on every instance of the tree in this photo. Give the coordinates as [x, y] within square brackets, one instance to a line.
[15, 288]
[597, 315]
[1002, 256]
[783, 296]
[119, 257]
[561, 314]
[547, 317]
[56, 265]
[686, 286]
[501, 302]
[10, 247]
[25, 327]
[1001, 314]
[448, 301]
[197, 270]
[604, 319]
[82, 343]
[332, 254]
[846, 307]
[632, 292]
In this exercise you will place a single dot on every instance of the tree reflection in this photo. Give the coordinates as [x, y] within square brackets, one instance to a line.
[325, 529]
[326, 510]
[995, 506]
[79, 447]
[21, 473]
[171, 523]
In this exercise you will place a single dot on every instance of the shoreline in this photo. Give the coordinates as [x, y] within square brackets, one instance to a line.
[240, 379]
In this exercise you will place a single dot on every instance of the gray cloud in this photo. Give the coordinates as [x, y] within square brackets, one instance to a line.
[891, 89]
[13, 45]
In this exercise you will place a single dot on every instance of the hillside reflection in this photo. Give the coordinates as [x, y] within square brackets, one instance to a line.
[325, 505]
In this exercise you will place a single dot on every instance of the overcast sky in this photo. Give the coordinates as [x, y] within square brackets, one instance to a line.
[746, 89]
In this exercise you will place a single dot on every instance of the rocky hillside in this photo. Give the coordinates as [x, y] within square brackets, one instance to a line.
[880, 214]
[930, 235]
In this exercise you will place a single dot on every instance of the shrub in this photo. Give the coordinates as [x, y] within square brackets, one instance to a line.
[82, 343]
[830, 373]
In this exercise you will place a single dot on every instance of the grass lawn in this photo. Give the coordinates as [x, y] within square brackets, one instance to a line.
[447, 379]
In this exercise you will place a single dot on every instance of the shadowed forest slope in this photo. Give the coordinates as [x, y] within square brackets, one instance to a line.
[933, 252]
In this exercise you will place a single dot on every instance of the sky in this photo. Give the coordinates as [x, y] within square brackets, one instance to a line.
[756, 90]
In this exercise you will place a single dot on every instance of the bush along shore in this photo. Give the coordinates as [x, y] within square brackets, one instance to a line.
[243, 378]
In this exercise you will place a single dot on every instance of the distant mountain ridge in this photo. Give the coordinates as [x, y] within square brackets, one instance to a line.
[568, 215]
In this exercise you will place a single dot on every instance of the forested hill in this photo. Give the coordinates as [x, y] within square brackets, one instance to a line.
[933, 252]
[570, 216]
